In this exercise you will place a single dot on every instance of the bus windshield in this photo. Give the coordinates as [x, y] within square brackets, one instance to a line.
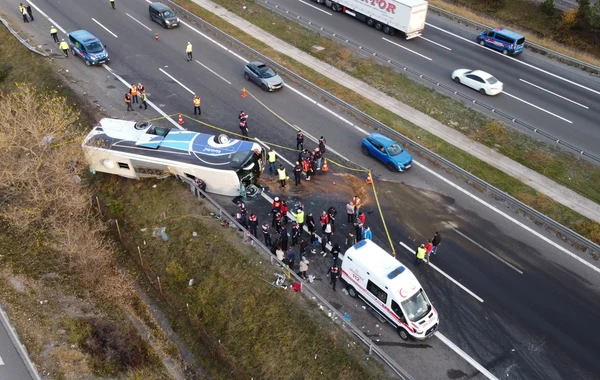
[250, 166]
[417, 306]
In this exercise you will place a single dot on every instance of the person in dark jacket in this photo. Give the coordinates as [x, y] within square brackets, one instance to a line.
[334, 274]
[300, 141]
[297, 172]
[267, 234]
[322, 143]
[335, 252]
[303, 246]
[331, 214]
[291, 256]
[310, 222]
[436, 241]
[295, 233]
[29, 11]
[358, 231]
[253, 224]
[284, 239]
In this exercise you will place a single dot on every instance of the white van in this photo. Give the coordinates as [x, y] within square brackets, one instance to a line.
[390, 289]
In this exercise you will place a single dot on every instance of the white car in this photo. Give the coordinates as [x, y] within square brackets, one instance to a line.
[478, 80]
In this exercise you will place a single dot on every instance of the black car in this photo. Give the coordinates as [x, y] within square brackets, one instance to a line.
[163, 15]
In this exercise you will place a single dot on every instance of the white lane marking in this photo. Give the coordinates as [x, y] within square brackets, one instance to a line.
[553, 93]
[45, 15]
[176, 81]
[465, 356]
[516, 60]
[1, 361]
[510, 218]
[537, 107]
[445, 275]
[208, 68]
[435, 43]
[488, 251]
[317, 8]
[405, 48]
[104, 27]
[136, 20]
[147, 101]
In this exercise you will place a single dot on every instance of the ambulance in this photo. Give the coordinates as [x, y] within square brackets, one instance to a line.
[390, 289]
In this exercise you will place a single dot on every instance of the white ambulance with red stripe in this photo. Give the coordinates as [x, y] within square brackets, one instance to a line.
[390, 288]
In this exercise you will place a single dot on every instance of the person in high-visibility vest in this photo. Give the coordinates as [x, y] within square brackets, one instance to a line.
[188, 50]
[282, 175]
[420, 254]
[64, 47]
[112, 3]
[197, 105]
[23, 12]
[133, 91]
[128, 101]
[144, 99]
[141, 88]
[272, 158]
[299, 215]
[54, 33]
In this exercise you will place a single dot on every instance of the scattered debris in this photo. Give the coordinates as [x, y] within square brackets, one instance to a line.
[191, 282]
[49, 276]
[144, 229]
[194, 234]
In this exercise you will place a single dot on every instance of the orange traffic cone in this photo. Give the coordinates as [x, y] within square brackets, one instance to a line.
[243, 92]
[369, 179]
[180, 121]
[324, 168]
[156, 36]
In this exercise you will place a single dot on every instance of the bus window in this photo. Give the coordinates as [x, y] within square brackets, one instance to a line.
[377, 291]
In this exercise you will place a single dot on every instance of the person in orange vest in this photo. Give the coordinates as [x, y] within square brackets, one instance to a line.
[133, 91]
[197, 105]
[141, 88]
[128, 101]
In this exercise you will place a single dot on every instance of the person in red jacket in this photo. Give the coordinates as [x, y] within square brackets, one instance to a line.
[284, 211]
[275, 208]
[362, 217]
[428, 249]
[324, 219]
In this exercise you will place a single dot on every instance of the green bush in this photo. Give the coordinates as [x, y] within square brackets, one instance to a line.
[548, 7]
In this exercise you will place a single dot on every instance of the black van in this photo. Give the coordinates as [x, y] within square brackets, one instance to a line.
[163, 15]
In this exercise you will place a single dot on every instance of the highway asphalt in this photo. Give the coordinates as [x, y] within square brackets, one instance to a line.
[534, 325]
[544, 93]
[12, 366]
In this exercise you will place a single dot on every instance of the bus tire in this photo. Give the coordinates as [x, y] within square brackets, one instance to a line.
[351, 291]
[370, 22]
[402, 333]
[378, 26]
[388, 30]
[222, 139]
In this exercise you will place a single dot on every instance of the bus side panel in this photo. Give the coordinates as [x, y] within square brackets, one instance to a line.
[96, 158]
[223, 182]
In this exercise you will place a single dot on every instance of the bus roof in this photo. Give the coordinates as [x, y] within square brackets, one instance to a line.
[384, 268]
[190, 147]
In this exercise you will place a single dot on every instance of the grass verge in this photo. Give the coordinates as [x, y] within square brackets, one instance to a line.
[562, 167]
[237, 324]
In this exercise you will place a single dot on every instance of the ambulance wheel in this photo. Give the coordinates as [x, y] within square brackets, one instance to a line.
[403, 334]
[505, 52]
[482, 43]
[370, 22]
[378, 26]
[352, 291]
[365, 151]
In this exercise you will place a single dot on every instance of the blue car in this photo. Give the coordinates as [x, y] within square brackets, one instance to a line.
[87, 47]
[387, 151]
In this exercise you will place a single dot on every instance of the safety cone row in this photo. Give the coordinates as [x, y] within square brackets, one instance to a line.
[244, 92]
[180, 121]
[324, 168]
[369, 180]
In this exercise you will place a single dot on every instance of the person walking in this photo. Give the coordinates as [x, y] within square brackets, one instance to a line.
[284, 238]
[303, 268]
[368, 235]
[29, 11]
[197, 105]
[334, 274]
[322, 143]
[272, 159]
[436, 241]
[64, 47]
[325, 239]
[350, 213]
[420, 254]
[54, 34]
[112, 4]
[350, 239]
[428, 249]
[128, 101]
[295, 233]
[299, 215]
[23, 11]
[300, 141]
[144, 100]
[134, 93]
[356, 203]
[291, 256]
[282, 175]
[188, 51]
[244, 129]
[253, 224]
[303, 246]
[310, 222]
[267, 234]
[297, 172]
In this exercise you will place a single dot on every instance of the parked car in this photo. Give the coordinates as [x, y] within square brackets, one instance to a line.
[387, 151]
[163, 15]
[86, 46]
[478, 80]
[263, 75]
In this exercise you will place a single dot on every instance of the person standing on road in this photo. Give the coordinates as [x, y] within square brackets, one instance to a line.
[299, 215]
[244, 129]
[266, 234]
[253, 224]
[188, 51]
[350, 239]
[358, 231]
[291, 256]
[23, 12]
[350, 213]
[141, 88]
[368, 235]
[310, 222]
[436, 241]
[303, 268]
[297, 172]
[54, 34]
[303, 246]
[144, 99]
[335, 252]
[29, 11]
[280, 254]
[326, 238]
[64, 47]
[428, 249]
[331, 214]
[134, 93]
[112, 4]
[197, 105]
[300, 141]
[282, 175]
[334, 274]
[272, 159]
[275, 208]
[356, 203]
[322, 143]
[314, 242]
[295, 233]
[362, 218]
[128, 101]
[318, 158]
[420, 254]
[323, 220]
[284, 238]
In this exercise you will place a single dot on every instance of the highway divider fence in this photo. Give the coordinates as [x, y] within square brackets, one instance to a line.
[22, 40]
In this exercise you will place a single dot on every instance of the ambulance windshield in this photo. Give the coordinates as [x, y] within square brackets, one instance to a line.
[417, 306]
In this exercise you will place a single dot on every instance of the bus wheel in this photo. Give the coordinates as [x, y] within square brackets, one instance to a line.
[378, 26]
[352, 291]
[370, 22]
[222, 139]
[403, 334]
[505, 52]
[388, 30]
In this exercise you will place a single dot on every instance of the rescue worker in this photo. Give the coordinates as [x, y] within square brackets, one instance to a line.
[141, 88]
[23, 12]
[54, 34]
[310, 222]
[244, 129]
[300, 141]
[299, 215]
[144, 99]
[295, 233]
[322, 143]
[306, 169]
[323, 219]
[282, 175]
[243, 116]
[266, 234]
[188, 51]
[303, 268]
[29, 11]
[64, 47]
[297, 172]
[272, 158]
[334, 274]
[128, 101]
[420, 254]
[275, 208]
[112, 3]
[133, 91]
[197, 105]
[253, 224]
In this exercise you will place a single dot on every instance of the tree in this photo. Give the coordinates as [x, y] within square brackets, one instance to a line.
[548, 7]
[583, 13]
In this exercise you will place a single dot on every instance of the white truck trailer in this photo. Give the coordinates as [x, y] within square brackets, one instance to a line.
[388, 16]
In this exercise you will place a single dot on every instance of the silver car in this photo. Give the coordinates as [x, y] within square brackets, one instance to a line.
[263, 76]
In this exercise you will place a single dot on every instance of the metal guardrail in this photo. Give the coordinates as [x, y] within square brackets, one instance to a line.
[535, 47]
[21, 349]
[21, 39]
[582, 243]
[578, 152]
[335, 315]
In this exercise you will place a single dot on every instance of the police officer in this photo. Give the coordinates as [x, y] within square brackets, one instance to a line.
[244, 129]
[54, 33]
[334, 274]
[64, 47]
[275, 208]
[243, 116]
[300, 141]
[295, 233]
[297, 172]
[197, 105]
[272, 158]
[335, 252]
[310, 222]
[266, 234]
[282, 175]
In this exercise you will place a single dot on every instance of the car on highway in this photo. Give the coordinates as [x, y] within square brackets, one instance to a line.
[86, 46]
[503, 40]
[387, 151]
[263, 75]
[478, 80]
[163, 15]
